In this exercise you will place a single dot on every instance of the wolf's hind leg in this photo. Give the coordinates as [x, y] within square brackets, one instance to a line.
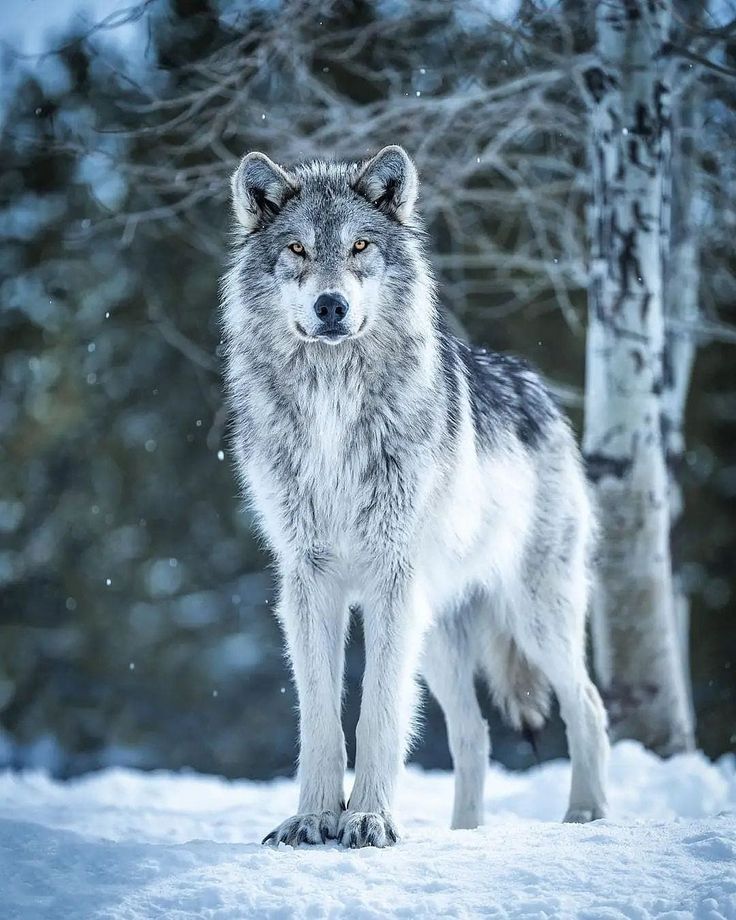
[585, 719]
[557, 647]
[448, 666]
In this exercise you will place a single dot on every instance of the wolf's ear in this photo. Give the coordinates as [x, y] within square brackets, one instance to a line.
[389, 181]
[260, 189]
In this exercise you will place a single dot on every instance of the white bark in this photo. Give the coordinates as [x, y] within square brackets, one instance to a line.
[636, 648]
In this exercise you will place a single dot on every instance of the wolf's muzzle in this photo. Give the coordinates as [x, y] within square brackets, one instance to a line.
[331, 309]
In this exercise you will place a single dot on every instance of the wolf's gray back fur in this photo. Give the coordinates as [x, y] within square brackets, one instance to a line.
[392, 467]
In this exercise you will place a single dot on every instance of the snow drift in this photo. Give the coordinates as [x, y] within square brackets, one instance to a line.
[125, 844]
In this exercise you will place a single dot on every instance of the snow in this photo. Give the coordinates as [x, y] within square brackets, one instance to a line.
[127, 844]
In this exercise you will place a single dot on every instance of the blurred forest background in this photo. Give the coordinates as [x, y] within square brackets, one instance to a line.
[134, 598]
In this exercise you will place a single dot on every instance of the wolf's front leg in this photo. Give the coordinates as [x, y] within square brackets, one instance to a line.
[394, 621]
[314, 619]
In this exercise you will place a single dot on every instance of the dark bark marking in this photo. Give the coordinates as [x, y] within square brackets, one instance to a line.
[599, 465]
[668, 371]
[643, 221]
[660, 91]
[645, 304]
[628, 261]
[597, 83]
[642, 122]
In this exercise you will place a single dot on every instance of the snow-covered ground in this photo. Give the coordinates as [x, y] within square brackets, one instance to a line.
[125, 844]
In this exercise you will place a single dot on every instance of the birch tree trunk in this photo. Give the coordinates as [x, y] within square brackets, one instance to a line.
[682, 285]
[636, 647]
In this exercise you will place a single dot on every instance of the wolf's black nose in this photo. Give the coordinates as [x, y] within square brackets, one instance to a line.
[331, 309]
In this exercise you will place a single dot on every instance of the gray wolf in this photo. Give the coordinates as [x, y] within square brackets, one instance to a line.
[435, 486]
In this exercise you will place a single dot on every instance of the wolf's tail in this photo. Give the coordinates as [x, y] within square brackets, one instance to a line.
[519, 689]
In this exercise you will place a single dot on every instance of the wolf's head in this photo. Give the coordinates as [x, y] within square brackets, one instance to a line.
[328, 250]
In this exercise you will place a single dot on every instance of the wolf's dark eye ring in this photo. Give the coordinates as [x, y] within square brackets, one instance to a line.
[297, 248]
[360, 245]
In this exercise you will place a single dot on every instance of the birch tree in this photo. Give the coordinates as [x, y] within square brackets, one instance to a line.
[637, 656]
[681, 267]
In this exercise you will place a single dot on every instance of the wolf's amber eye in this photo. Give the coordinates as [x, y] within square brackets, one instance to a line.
[360, 245]
[297, 248]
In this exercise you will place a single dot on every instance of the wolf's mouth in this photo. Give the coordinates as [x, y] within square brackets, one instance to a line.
[332, 334]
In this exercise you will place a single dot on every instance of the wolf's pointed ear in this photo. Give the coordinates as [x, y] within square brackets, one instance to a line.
[389, 181]
[260, 189]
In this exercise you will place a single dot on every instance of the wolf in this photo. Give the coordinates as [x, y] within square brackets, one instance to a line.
[394, 469]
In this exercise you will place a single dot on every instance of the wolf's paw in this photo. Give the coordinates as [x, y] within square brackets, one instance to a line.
[366, 829]
[577, 815]
[316, 828]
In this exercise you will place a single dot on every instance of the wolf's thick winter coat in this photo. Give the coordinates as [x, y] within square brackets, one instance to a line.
[434, 485]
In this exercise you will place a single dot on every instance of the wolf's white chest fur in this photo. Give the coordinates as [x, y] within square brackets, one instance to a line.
[326, 473]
